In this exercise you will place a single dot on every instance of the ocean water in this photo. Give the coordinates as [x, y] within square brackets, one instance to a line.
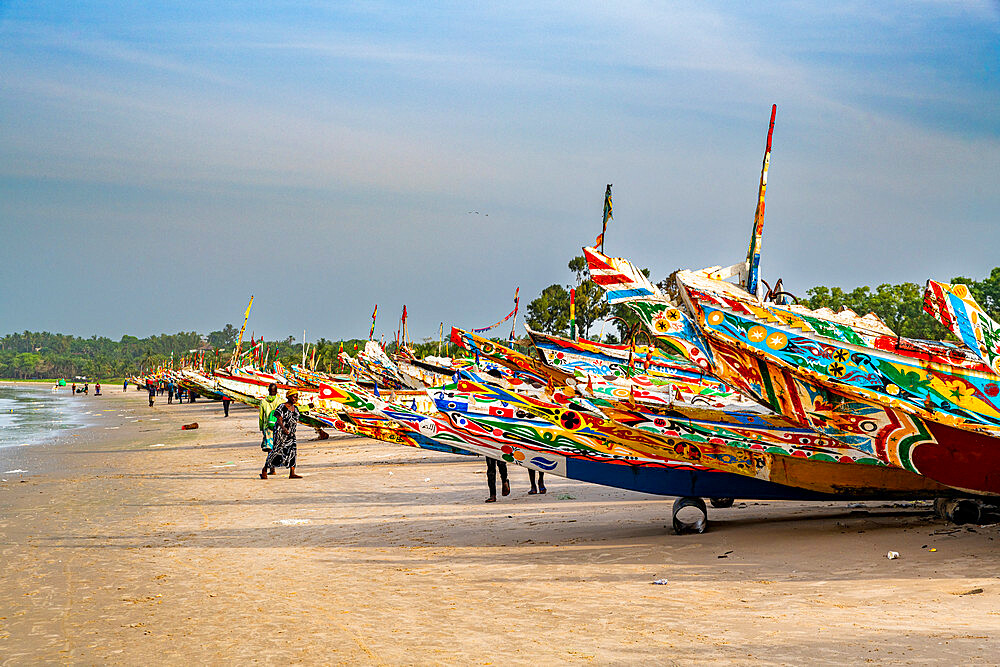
[31, 415]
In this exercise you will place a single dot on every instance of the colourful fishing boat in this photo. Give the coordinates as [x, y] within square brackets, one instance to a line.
[722, 447]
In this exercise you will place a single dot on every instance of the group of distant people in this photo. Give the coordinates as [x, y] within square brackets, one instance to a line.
[85, 389]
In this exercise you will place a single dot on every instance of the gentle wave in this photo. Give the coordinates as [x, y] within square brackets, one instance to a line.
[31, 415]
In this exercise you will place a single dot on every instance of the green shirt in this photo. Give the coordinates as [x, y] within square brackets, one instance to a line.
[267, 406]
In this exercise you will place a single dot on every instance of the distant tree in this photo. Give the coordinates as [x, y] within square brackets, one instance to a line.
[549, 313]
[224, 338]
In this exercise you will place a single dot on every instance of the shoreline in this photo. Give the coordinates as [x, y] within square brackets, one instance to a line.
[139, 542]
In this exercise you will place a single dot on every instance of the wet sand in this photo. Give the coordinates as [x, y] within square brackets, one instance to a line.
[121, 551]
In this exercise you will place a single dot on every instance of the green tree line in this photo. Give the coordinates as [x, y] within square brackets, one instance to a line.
[34, 355]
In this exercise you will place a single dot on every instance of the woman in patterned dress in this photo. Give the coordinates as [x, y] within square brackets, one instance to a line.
[283, 452]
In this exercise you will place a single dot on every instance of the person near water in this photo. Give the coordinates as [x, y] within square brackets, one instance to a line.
[170, 393]
[125, 385]
[541, 482]
[97, 389]
[151, 388]
[225, 404]
[73, 389]
[491, 479]
[284, 451]
[267, 406]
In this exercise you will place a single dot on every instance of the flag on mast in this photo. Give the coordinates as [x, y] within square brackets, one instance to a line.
[753, 253]
[517, 301]
[572, 313]
[403, 341]
[607, 216]
[243, 329]
[371, 334]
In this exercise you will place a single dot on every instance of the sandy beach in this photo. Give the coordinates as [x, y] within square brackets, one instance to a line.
[132, 541]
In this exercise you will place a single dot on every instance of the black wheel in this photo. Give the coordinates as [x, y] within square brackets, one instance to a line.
[690, 515]
[722, 503]
[964, 511]
[958, 511]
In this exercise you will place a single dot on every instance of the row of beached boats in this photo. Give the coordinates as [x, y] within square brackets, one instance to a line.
[737, 393]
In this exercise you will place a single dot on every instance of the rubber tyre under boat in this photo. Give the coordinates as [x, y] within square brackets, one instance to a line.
[958, 510]
[684, 524]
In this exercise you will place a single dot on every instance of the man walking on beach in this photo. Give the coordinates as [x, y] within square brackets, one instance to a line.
[170, 393]
[491, 479]
[541, 482]
[151, 388]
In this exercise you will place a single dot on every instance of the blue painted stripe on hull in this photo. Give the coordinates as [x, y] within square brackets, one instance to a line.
[683, 482]
[627, 293]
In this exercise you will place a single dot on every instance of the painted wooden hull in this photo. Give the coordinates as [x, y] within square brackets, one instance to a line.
[670, 478]
[720, 449]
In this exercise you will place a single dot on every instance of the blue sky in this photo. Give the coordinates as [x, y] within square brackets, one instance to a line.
[159, 162]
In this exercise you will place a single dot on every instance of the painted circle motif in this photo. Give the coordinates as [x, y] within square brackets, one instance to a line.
[777, 341]
[673, 315]
[991, 389]
[892, 390]
[836, 369]
[570, 420]
[715, 318]
[506, 449]
[960, 290]
[661, 325]
[508, 458]
[756, 334]
[518, 455]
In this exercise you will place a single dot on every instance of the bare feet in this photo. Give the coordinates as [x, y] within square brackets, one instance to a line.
[263, 475]
[491, 499]
[292, 475]
[271, 471]
[505, 488]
